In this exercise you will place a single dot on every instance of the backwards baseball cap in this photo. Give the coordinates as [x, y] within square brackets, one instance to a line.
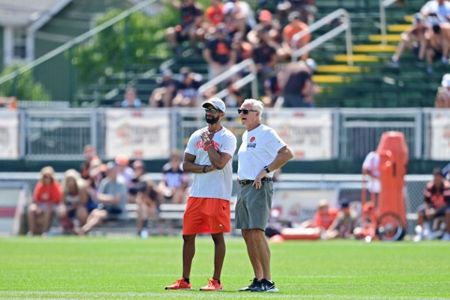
[446, 80]
[216, 103]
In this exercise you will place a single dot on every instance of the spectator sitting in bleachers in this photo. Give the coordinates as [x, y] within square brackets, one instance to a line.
[167, 89]
[214, 14]
[218, 52]
[413, 38]
[131, 100]
[75, 201]
[439, 9]
[290, 45]
[443, 93]
[111, 197]
[241, 14]
[188, 90]
[46, 203]
[265, 58]
[438, 44]
[191, 19]
[268, 23]
[297, 87]
[175, 181]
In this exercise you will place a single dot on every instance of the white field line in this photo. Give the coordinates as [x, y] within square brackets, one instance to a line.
[188, 295]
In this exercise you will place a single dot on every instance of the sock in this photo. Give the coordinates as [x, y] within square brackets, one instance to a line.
[186, 279]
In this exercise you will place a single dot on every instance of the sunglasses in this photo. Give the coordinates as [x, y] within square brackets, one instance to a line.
[211, 110]
[245, 111]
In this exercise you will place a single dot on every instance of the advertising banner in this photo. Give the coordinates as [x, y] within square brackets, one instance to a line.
[137, 133]
[308, 133]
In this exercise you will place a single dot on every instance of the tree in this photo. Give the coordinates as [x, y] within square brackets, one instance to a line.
[135, 41]
[23, 87]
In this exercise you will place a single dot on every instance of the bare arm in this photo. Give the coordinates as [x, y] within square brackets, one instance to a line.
[283, 156]
[108, 199]
[190, 166]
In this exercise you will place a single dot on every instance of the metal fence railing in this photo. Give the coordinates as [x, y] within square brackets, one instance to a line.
[60, 134]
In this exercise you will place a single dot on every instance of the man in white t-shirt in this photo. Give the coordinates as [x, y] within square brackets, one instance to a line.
[208, 155]
[261, 153]
[371, 169]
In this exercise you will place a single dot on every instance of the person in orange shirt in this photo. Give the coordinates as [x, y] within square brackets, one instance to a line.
[47, 197]
[214, 13]
[290, 44]
[324, 216]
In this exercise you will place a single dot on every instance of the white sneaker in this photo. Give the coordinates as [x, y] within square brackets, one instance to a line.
[446, 237]
[144, 234]
[419, 234]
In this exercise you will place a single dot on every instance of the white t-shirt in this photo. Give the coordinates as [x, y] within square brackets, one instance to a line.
[372, 163]
[433, 7]
[218, 183]
[258, 149]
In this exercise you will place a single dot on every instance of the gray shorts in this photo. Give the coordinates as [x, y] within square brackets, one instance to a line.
[253, 206]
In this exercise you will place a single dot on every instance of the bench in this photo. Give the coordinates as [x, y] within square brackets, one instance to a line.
[168, 221]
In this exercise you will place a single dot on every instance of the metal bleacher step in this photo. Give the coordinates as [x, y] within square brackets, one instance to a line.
[339, 69]
[387, 37]
[362, 58]
[408, 18]
[398, 27]
[374, 48]
[330, 79]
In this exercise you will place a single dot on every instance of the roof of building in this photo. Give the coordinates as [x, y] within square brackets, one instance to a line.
[22, 13]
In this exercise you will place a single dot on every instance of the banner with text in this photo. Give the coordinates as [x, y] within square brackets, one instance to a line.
[137, 133]
[307, 132]
[9, 134]
[440, 135]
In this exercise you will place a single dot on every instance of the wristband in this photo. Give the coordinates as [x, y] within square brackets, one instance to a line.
[266, 168]
[204, 169]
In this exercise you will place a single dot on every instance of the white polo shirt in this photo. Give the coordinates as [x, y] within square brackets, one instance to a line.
[218, 183]
[259, 148]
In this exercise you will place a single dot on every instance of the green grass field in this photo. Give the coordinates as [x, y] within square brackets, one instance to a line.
[122, 268]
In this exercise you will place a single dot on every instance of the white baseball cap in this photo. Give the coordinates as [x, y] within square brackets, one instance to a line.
[446, 80]
[216, 103]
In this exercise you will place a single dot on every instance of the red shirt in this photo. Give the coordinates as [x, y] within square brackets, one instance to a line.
[325, 220]
[214, 14]
[51, 193]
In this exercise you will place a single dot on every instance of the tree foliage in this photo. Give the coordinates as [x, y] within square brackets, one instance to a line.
[23, 87]
[129, 43]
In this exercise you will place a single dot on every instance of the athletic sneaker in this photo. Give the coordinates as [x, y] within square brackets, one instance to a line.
[266, 286]
[213, 285]
[255, 283]
[180, 284]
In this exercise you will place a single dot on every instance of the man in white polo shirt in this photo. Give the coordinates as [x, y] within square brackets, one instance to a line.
[262, 151]
[208, 155]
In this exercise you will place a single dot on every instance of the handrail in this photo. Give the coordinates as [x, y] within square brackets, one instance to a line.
[383, 5]
[248, 63]
[79, 39]
[345, 26]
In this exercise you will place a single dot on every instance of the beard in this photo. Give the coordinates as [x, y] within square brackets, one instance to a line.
[211, 120]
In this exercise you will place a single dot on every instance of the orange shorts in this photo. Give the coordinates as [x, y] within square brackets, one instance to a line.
[206, 215]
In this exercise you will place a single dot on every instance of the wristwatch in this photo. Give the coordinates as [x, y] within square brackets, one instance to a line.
[266, 168]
